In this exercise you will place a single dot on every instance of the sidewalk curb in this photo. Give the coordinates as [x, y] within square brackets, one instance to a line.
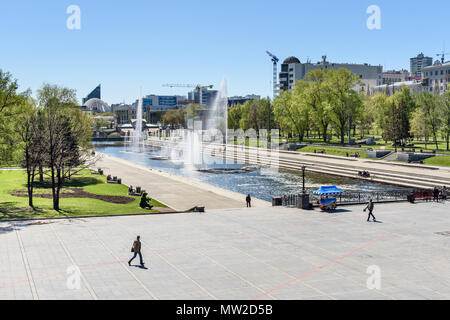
[94, 216]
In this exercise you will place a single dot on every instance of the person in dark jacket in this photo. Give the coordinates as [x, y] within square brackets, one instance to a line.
[249, 201]
[436, 194]
[370, 207]
[137, 250]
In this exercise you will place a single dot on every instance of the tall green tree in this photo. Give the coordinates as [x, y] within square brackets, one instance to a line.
[65, 138]
[11, 103]
[378, 106]
[444, 112]
[344, 99]
[234, 116]
[428, 103]
[173, 117]
[419, 128]
[291, 112]
[398, 114]
[31, 135]
[257, 114]
[316, 97]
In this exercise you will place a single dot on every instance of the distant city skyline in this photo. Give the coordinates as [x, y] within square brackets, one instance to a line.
[124, 47]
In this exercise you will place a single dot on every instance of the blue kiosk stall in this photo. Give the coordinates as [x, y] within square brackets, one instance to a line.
[327, 197]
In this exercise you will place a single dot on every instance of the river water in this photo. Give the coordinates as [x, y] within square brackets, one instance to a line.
[261, 182]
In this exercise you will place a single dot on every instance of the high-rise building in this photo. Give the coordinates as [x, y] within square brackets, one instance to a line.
[418, 63]
[292, 70]
[96, 93]
[155, 105]
[207, 96]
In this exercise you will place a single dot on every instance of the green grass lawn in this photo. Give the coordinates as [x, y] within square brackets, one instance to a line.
[335, 142]
[334, 151]
[438, 161]
[14, 207]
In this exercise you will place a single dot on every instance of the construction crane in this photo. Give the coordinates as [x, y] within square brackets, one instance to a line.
[275, 70]
[442, 55]
[197, 87]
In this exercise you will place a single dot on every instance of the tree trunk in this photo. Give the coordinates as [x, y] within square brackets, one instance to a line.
[435, 140]
[447, 140]
[30, 189]
[343, 135]
[325, 130]
[41, 174]
[54, 195]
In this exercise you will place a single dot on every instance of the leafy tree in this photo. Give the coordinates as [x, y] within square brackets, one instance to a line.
[99, 124]
[234, 116]
[429, 106]
[65, 138]
[378, 106]
[397, 120]
[192, 111]
[291, 112]
[173, 117]
[444, 112]
[11, 102]
[342, 97]
[366, 117]
[419, 129]
[31, 134]
[256, 115]
[316, 97]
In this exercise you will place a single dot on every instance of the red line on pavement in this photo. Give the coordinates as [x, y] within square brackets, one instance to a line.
[324, 266]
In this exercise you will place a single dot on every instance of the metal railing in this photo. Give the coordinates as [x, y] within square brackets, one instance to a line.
[292, 200]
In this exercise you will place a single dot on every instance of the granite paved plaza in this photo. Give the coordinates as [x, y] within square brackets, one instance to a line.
[259, 253]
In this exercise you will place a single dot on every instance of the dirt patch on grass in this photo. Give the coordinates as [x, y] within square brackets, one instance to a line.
[77, 193]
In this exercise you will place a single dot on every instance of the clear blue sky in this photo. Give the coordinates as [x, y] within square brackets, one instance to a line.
[128, 44]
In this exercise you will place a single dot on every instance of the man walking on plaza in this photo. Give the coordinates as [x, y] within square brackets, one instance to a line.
[370, 208]
[249, 201]
[137, 250]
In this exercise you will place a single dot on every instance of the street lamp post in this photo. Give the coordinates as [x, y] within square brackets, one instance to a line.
[304, 197]
[303, 175]
[348, 113]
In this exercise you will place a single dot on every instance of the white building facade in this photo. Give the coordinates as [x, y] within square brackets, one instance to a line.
[436, 77]
[292, 70]
[415, 86]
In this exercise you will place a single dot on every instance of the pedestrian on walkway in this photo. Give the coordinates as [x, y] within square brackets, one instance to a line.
[249, 201]
[436, 194]
[370, 207]
[137, 250]
[444, 193]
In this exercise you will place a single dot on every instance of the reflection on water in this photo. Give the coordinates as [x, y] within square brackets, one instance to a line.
[263, 183]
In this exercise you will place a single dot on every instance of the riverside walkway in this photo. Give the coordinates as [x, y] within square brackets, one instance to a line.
[257, 253]
[178, 193]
